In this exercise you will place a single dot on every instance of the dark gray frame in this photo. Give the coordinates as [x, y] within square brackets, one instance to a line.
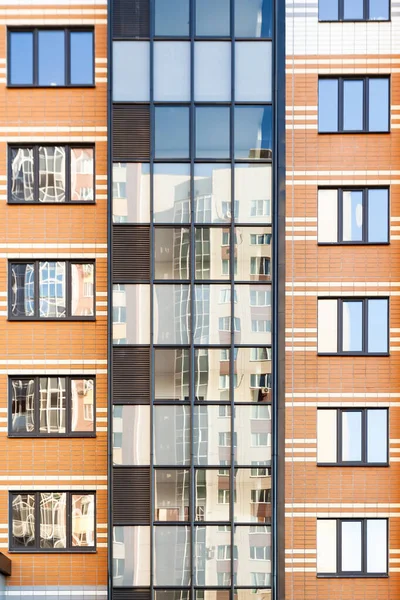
[365, 14]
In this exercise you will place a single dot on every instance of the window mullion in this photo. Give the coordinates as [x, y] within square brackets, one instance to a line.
[36, 294]
[37, 520]
[340, 215]
[339, 436]
[365, 325]
[340, 104]
[366, 10]
[35, 57]
[67, 62]
[339, 546]
[67, 173]
[68, 288]
[366, 104]
[340, 325]
[364, 438]
[68, 415]
[364, 530]
[365, 215]
[68, 521]
[36, 405]
[36, 171]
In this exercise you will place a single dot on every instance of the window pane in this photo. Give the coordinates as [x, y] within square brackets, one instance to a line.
[82, 174]
[172, 17]
[52, 289]
[327, 436]
[131, 556]
[172, 71]
[172, 555]
[326, 546]
[52, 404]
[131, 435]
[353, 9]
[171, 193]
[82, 405]
[81, 57]
[353, 100]
[22, 177]
[378, 325]
[211, 317]
[328, 105]
[172, 595]
[253, 435]
[253, 496]
[21, 58]
[22, 405]
[378, 9]
[253, 18]
[212, 132]
[171, 375]
[22, 290]
[253, 132]
[52, 173]
[23, 520]
[253, 192]
[351, 436]
[131, 193]
[83, 525]
[212, 496]
[377, 436]
[131, 71]
[351, 546]
[82, 281]
[171, 314]
[171, 132]
[353, 216]
[328, 10]
[376, 546]
[253, 250]
[212, 71]
[352, 326]
[213, 17]
[171, 253]
[258, 548]
[327, 216]
[51, 57]
[206, 571]
[254, 380]
[253, 326]
[211, 376]
[208, 264]
[327, 325]
[378, 215]
[171, 495]
[212, 193]
[131, 314]
[253, 67]
[378, 104]
[211, 436]
[53, 520]
[171, 435]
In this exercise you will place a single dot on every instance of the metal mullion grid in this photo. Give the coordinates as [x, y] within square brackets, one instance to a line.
[35, 54]
[152, 351]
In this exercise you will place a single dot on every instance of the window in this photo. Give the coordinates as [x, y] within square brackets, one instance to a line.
[353, 10]
[260, 326]
[261, 412]
[260, 265]
[260, 440]
[352, 547]
[260, 552]
[263, 496]
[259, 471]
[51, 174]
[224, 552]
[355, 105]
[260, 208]
[260, 297]
[51, 57]
[60, 406]
[224, 496]
[51, 289]
[260, 381]
[356, 436]
[262, 239]
[257, 354]
[353, 216]
[353, 325]
[261, 580]
[52, 521]
[224, 410]
[225, 296]
[224, 323]
[224, 438]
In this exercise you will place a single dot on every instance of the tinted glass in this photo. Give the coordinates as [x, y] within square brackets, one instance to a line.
[379, 104]
[131, 193]
[171, 375]
[212, 193]
[131, 71]
[253, 433]
[82, 405]
[212, 495]
[22, 405]
[377, 436]
[21, 58]
[257, 547]
[22, 177]
[131, 424]
[328, 10]
[353, 99]
[82, 290]
[171, 253]
[171, 193]
[23, 520]
[172, 17]
[378, 325]
[131, 556]
[253, 67]
[171, 495]
[212, 132]
[172, 71]
[253, 191]
[83, 525]
[52, 407]
[212, 71]
[82, 174]
[253, 18]
[351, 436]
[211, 375]
[51, 57]
[53, 520]
[211, 436]
[328, 105]
[352, 326]
[253, 132]
[378, 9]
[213, 17]
[377, 545]
[211, 317]
[378, 215]
[130, 301]
[22, 290]
[254, 379]
[171, 314]
[52, 289]
[171, 435]
[205, 572]
[352, 216]
[171, 132]
[52, 169]
[81, 57]
[172, 555]
[353, 9]
[351, 546]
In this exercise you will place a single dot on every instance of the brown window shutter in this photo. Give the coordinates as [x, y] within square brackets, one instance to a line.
[131, 495]
[131, 375]
[131, 132]
[131, 253]
[131, 19]
[130, 594]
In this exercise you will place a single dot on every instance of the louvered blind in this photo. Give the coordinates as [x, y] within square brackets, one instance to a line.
[127, 594]
[131, 375]
[131, 132]
[131, 19]
[131, 495]
[131, 253]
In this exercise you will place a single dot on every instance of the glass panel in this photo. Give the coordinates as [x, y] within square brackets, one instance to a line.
[253, 314]
[131, 435]
[253, 495]
[326, 545]
[131, 556]
[81, 57]
[212, 316]
[213, 17]
[378, 215]
[171, 131]
[131, 193]
[52, 404]
[328, 216]
[172, 555]
[53, 520]
[207, 265]
[171, 71]
[253, 192]
[351, 546]
[253, 132]
[211, 376]
[328, 10]
[328, 105]
[377, 436]
[212, 496]
[171, 253]
[327, 436]
[131, 71]
[253, 431]
[82, 281]
[212, 132]
[378, 9]
[351, 436]
[376, 545]
[378, 116]
[23, 521]
[52, 289]
[171, 318]
[171, 374]
[211, 436]
[83, 525]
[22, 405]
[171, 193]
[172, 595]
[352, 326]
[82, 174]
[171, 435]
[353, 9]
[253, 71]
[210, 544]
[22, 176]
[51, 57]
[257, 546]
[253, 18]
[22, 290]
[253, 248]
[21, 58]
[253, 368]
[212, 594]
[52, 174]
[353, 216]
[212, 70]
[172, 495]
[327, 325]
[353, 101]
[171, 18]
[378, 331]
[212, 193]
[131, 314]
[82, 405]
[256, 593]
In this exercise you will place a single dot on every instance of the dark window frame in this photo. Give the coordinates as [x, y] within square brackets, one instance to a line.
[69, 547]
[356, 574]
[68, 408]
[340, 99]
[68, 290]
[35, 55]
[36, 165]
[366, 16]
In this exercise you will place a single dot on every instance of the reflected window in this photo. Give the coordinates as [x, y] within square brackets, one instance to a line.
[254, 378]
[253, 132]
[254, 253]
[131, 556]
[212, 193]
[212, 444]
[212, 320]
[253, 18]
[131, 424]
[171, 193]
[130, 301]
[211, 544]
[253, 491]
[210, 366]
[171, 314]
[131, 193]
[253, 193]
[171, 375]
[258, 319]
[212, 495]
[253, 435]
[172, 556]
[253, 548]
[172, 495]
[171, 253]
